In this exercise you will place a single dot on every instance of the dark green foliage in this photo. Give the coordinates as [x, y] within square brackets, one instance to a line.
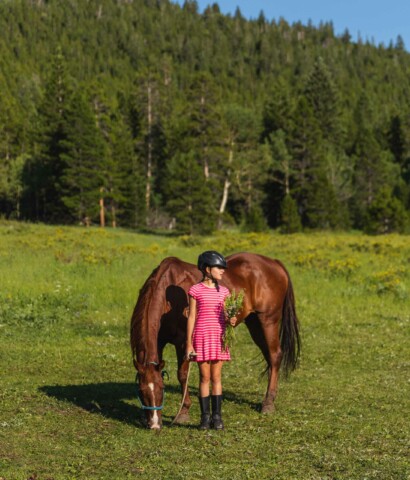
[386, 214]
[323, 210]
[189, 199]
[323, 98]
[84, 178]
[290, 216]
[126, 177]
[43, 173]
[307, 155]
[12, 158]
[278, 110]
[397, 140]
[204, 124]
[268, 110]
[255, 220]
[374, 168]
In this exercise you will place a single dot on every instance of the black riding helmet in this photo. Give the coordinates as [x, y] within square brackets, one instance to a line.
[211, 259]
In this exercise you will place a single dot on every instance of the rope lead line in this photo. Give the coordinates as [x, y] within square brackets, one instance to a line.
[164, 374]
[183, 397]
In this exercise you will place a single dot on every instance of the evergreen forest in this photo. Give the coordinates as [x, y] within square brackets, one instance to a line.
[150, 115]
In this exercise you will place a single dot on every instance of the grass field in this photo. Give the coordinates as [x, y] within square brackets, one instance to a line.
[68, 406]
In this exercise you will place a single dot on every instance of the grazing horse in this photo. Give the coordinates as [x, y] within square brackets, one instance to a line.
[160, 317]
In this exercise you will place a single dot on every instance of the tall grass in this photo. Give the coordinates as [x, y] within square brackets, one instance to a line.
[68, 406]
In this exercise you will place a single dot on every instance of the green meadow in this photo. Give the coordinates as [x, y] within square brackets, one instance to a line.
[68, 405]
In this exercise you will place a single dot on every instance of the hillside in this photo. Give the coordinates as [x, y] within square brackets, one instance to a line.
[196, 121]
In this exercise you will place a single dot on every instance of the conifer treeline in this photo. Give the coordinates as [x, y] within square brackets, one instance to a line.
[176, 119]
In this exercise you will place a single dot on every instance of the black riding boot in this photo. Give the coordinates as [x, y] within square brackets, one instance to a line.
[205, 413]
[217, 422]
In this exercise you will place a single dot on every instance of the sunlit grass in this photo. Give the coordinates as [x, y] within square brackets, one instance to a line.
[68, 401]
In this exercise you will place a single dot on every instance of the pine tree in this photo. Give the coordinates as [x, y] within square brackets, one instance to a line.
[189, 200]
[323, 98]
[84, 177]
[44, 171]
[241, 131]
[11, 159]
[307, 154]
[204, 126]
[278, 127]
[147, 109]
[398, 145]
[324, 211]
[128, 177]
[282, 165]
[250, 183]
[122, 194]
[386, 214]
[374, 168]
[278, 111]
[255, 220]
[397, 140]
[290, 219]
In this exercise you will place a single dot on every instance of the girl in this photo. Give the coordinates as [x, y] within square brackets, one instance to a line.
[206, 326]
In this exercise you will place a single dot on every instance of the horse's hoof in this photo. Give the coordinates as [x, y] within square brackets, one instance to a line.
[182, 418]
[268, 408]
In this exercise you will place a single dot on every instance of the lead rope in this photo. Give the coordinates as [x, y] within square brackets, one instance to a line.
[183, 397]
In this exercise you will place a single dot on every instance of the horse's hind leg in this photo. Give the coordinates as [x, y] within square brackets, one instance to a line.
[264, 330]
[270, 323]
[183, 366]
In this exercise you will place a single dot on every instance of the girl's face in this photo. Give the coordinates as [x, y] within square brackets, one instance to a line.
[216, 272]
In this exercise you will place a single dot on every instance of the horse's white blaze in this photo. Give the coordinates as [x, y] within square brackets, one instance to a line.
[154, 421]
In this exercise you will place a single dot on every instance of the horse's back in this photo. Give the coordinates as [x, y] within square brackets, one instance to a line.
[257, 267]
[264, 280]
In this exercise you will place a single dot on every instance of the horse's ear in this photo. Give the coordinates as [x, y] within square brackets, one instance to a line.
[140, 368]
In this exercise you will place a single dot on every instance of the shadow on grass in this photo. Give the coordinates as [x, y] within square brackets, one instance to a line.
[107, 399]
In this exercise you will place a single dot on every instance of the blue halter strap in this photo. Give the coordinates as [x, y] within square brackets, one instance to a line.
[164, 374]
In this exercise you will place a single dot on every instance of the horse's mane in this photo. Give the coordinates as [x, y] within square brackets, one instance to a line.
[138, 332]
[140, 329]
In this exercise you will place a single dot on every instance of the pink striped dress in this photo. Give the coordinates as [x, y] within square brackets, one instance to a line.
[210, 322]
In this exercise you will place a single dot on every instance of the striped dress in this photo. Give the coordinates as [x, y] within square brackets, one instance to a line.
[210, 322]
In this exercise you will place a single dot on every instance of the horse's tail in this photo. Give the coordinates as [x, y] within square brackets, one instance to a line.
[290, 342]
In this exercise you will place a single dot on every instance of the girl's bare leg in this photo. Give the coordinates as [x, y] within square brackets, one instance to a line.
[204, 378]
[216, 377]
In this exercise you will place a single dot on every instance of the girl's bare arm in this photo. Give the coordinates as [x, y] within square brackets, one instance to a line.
[191, 324]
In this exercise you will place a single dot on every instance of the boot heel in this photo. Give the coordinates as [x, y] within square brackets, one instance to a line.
[217, 422]
[204, 403]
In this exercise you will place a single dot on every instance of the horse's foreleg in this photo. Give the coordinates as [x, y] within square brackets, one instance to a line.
[183, 367]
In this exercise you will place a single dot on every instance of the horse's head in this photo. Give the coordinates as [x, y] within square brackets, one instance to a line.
[151, 391]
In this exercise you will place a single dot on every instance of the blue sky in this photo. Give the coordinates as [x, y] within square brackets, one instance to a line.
[373, 19]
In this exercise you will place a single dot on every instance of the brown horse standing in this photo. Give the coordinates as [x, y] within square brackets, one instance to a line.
[160, 317]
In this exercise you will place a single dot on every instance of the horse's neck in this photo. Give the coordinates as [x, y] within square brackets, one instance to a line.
[151, 322]
[150, 338]
[227, 282]
[168, 274]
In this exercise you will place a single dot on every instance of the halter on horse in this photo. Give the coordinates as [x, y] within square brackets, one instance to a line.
[160, 317]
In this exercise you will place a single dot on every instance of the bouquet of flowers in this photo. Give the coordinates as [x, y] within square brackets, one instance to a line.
[233, 306]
